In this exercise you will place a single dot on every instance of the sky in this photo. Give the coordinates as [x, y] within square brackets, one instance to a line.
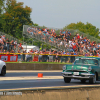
[60, 13]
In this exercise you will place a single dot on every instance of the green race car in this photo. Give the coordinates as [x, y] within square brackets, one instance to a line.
[84, 68]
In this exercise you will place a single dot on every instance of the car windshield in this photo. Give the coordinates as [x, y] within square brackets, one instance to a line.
[85, 61]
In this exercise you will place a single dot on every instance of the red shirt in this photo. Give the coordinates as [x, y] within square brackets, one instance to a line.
[74, 47]
[78, 37]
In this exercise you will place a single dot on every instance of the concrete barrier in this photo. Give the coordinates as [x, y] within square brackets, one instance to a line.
[33, 66]
[61, 94]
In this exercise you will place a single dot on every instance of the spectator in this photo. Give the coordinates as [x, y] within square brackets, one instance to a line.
[40, 56]
[12, 44]
[1, 44]
[4, 44]
[8, 44]
[15, 44]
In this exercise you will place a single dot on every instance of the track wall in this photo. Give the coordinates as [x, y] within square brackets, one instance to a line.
[67, 94]
[32, 66]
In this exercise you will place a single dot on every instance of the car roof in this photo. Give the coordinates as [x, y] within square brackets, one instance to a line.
[89, 57]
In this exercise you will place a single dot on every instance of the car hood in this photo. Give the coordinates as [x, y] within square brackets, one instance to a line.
[78, 67]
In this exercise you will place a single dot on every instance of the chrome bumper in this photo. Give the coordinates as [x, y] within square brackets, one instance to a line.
[81, 76]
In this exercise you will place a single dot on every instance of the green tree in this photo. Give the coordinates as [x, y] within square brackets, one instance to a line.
[1, 5]
[15, 17]
[1, 11]
[87, 28]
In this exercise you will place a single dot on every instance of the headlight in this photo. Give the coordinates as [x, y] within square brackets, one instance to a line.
[89, 69]
[64, 67]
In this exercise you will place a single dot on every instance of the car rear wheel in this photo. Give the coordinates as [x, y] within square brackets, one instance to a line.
[83, 81]
[67, 80]
[92, 80]
[3, 71]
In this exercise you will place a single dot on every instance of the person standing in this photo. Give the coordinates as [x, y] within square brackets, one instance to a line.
[8, 44]
[12, 44]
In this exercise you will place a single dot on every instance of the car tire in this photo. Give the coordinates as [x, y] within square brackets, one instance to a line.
[3, 71]
[83, 81]
[67, 80]
[92, 80]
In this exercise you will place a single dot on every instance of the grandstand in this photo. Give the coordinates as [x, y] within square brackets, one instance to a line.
[65, 40]
[43, 37]
[14, 44]
[70, 41]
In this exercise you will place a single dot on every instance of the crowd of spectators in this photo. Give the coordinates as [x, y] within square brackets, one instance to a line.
[9, 46]
[50, 35]
[73, 45]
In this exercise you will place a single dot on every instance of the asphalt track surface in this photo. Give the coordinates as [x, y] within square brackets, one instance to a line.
[13, 80]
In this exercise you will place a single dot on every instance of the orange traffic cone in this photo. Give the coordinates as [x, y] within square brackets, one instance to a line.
[40, 74]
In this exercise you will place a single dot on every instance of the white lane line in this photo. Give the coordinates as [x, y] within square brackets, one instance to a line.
[30, 77]
[27, 71]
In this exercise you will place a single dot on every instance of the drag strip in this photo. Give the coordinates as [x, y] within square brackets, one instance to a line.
[12, 84]
[30, 80]
[35, 83]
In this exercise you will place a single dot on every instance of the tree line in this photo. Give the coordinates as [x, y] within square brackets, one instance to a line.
[87, 28]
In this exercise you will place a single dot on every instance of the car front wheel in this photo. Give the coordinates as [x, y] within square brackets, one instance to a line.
[67, 80]
[92, 80]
